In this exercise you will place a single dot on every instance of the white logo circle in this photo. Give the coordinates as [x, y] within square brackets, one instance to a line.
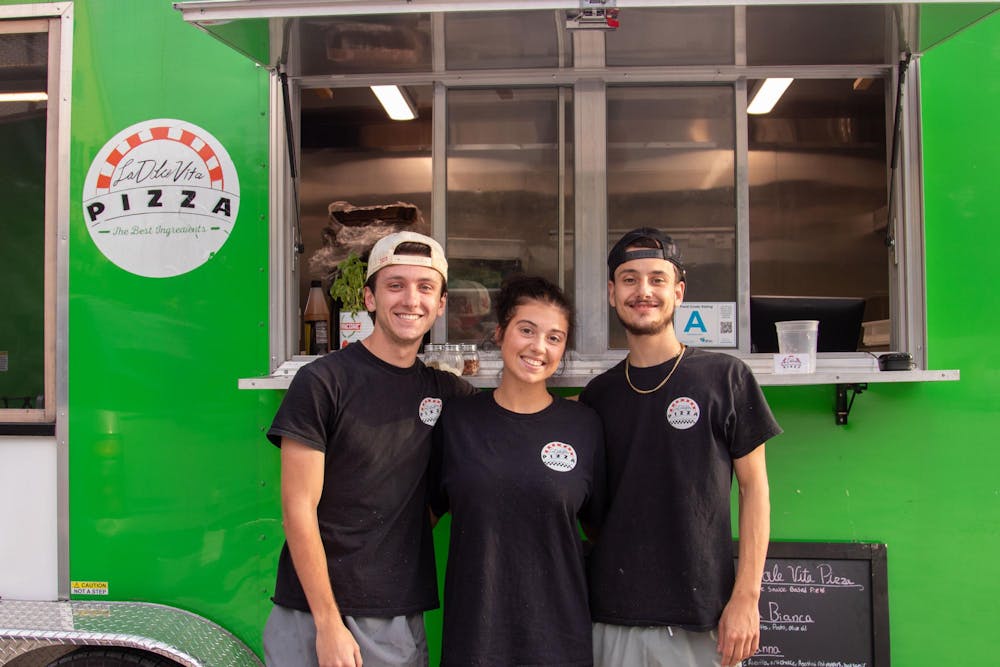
[559, 456]
[160, 198]
[683, 413]
[430, 410]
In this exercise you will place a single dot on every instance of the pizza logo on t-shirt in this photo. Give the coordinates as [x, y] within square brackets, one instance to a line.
[683, 413]
[430, 410]
[559, 456]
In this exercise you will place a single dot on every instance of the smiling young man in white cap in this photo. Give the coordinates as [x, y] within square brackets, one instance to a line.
[677, 423]
[357, 569]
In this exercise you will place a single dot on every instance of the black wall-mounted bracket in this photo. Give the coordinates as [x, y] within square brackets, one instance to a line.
[842, 407]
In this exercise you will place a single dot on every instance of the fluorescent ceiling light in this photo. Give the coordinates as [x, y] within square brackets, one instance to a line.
[395, 102]
[767, 95]
[24, 97]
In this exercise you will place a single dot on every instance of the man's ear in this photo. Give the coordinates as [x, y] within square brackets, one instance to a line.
[369, 299]
[611, 293]
[442, 304]
[679, 291]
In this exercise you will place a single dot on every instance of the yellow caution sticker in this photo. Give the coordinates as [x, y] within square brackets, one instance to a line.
[88, 587]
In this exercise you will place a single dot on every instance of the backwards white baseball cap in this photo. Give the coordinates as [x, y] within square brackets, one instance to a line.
[384, 253]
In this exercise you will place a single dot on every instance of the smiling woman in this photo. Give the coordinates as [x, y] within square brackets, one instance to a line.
[518, 467]
[534, 326]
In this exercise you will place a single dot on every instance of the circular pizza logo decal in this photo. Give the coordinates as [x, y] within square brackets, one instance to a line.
[559, 456]
[160, 198]
[430, 410]
[683, 413]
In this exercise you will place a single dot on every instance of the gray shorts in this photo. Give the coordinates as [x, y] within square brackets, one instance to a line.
[290, 639]
[620, 645]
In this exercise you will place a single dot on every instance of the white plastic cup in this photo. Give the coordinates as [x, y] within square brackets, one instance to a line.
[796, 346]
[797, 336]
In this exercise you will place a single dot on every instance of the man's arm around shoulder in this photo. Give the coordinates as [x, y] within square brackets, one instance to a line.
[302, 470]
[739, 626]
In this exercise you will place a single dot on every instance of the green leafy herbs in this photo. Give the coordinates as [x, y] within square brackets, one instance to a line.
[348, 286]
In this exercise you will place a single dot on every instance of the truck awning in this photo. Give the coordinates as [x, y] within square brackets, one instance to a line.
[262, 30]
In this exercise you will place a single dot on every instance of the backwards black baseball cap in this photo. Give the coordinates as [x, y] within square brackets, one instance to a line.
[666, 249]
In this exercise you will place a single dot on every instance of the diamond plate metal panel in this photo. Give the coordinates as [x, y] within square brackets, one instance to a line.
[186, 638]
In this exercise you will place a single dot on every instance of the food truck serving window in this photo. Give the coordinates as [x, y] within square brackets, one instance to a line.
[538, 135]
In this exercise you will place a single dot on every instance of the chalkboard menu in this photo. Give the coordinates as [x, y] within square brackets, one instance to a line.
[823, 605]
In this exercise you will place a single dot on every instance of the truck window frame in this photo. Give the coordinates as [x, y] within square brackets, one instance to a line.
[55, 19]
[592, 354]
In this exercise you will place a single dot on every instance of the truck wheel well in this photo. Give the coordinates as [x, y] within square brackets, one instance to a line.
[112, 656]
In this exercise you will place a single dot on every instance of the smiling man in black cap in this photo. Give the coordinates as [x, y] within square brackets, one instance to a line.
[677, 422]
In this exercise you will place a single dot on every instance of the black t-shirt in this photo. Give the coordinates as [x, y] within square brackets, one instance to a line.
[515, 590]
[665, 554]
[373, 421]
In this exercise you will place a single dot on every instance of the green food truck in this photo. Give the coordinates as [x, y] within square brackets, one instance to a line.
[178, 175]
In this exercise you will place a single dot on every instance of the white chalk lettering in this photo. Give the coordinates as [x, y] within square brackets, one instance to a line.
[775, 615]
[772, 575]
[826, 576]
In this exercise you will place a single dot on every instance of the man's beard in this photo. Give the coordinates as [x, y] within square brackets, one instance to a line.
[650, 329]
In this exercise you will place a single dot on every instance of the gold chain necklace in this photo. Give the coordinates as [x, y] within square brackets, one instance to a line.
[662, 382]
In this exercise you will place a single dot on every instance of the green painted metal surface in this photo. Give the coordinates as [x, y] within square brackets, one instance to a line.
[940, 22]
[915, 467]
[957, 488]
[173, 489]
[248, 36]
